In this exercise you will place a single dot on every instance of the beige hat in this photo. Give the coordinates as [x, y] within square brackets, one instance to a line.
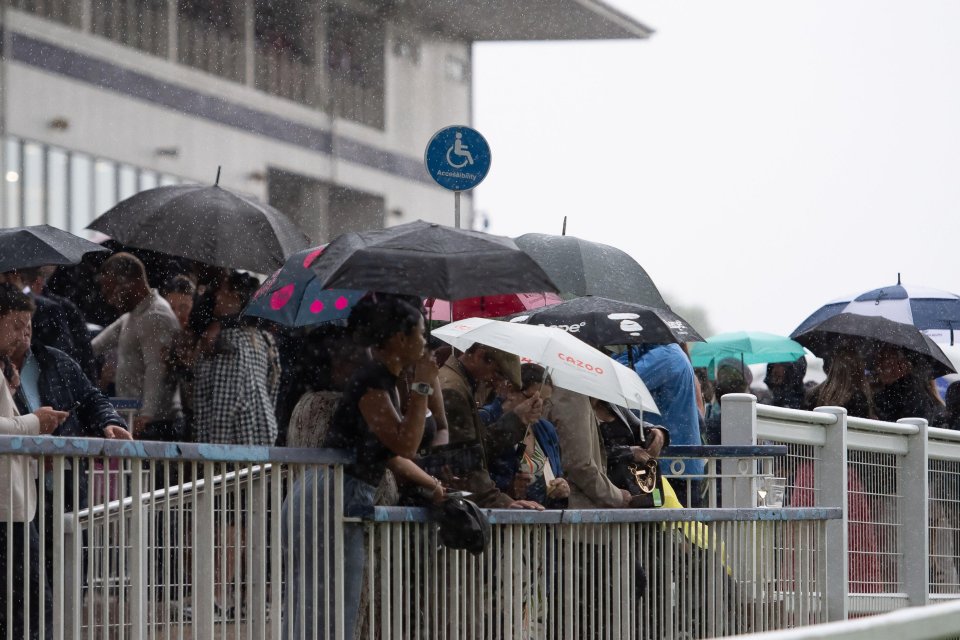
[508, 363]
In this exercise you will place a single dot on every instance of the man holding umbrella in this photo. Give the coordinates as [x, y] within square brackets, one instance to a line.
[461, 379]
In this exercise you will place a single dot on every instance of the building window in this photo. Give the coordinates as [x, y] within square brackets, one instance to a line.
[11, 174]
[32, 184]
[148, 180]
[81, 192]
[57, 189]
[104, 186]
[126, 182]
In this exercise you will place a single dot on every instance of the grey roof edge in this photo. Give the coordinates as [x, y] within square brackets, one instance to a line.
[614, 15]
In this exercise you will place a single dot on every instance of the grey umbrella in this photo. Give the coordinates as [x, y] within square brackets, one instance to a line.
[41, 245]
[584, 268]
[430, 260]
[205, 223]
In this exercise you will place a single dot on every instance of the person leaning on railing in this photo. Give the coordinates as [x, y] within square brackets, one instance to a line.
[18, 487]
[369, 424]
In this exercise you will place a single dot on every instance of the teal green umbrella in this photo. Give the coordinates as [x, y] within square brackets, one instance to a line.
[749, 347]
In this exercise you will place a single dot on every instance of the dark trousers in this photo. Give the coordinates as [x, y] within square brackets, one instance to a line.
[25, 558]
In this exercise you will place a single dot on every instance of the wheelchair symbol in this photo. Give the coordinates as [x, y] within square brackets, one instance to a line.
[461, 150]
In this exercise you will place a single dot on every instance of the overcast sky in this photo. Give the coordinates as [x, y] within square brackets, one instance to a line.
[757, 158]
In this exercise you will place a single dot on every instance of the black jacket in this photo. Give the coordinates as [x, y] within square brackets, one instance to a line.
[59, 324]
[62, 384]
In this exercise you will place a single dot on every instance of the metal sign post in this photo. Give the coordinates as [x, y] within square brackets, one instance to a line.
[457, 158]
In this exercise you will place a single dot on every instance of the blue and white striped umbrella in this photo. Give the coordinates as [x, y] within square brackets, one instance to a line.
[935, 312]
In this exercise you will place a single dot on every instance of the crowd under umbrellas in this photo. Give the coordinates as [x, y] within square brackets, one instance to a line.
[562, 348]
[595, 292]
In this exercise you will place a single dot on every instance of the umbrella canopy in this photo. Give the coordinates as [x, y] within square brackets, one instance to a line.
[573, 364]
[601, 321]
[935, 312]
[292, 296]
[41, 245]
[583, 268]
[429, 260]
[489, 306]
[866, 332]
[204, 223]
[750, 347]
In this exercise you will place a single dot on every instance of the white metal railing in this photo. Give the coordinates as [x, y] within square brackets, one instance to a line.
[598, 573]
[200, 541]
[887, 478]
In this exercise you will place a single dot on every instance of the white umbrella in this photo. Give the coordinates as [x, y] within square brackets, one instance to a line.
[574, 365]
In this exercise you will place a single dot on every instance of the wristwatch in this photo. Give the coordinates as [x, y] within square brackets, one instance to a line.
[422, 388]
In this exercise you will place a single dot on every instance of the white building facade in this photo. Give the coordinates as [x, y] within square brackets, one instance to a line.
[322, 109]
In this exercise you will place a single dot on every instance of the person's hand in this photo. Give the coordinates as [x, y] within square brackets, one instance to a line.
[530, 410]
[450, 480]
[627, 497]
[521, 482]
[640, 454]
[426, 369]
[526, 504]
[50, 419]
[440, 438]
[116, 432]
[558, 489]
[655, 444]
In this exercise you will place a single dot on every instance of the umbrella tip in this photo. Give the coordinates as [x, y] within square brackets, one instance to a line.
[564, 231]
[216, 182]
[898, 278]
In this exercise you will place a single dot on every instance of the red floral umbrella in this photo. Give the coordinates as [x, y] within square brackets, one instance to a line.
[488, 306]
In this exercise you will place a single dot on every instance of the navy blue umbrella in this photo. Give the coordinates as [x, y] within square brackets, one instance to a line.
[934, 312]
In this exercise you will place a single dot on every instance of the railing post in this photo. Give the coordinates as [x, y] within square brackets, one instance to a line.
[339, 551]
[914, 540]
[139, 550]
[203, 556]
[738, 426]
[257, 536]
[830, 475]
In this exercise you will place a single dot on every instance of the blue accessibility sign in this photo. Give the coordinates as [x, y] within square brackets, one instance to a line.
[457, 158]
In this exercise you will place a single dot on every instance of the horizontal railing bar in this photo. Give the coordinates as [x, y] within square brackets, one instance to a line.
[938, 450]
[148, 450]
[865, 424]
[185, 488]
[724, 451]
[936, 433]
[614, 516]
[808, 434]
[795, 415]
[878, 442]
[936, 621]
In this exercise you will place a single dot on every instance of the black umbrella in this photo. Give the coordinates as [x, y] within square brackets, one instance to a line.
[601, 321]
[429, 260]
[26, 247]
[867, 332]
[584, 268]
[207, 224]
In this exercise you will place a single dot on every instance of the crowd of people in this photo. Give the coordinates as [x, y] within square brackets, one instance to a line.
[421, 420]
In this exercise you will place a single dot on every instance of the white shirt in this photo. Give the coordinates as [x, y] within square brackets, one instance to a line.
[142, 338]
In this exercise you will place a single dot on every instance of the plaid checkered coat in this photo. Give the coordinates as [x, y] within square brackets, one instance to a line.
[235, 389]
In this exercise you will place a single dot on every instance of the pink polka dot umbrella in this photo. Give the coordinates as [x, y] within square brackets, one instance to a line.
[292, 296]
